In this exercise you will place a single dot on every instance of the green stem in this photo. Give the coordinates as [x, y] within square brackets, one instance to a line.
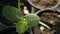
[45, 25]
[19, 5]
[31, 31]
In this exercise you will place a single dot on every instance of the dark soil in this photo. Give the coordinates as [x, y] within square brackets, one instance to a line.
[51, 18]
[37, 30]
[44, 3]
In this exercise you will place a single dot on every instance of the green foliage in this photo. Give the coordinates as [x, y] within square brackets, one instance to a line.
[32, 19]
[21, 26]
[29, 20]
[11, 13]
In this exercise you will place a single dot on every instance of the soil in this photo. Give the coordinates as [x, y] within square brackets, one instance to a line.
[44, 3]
[37, 30]
[50, 17]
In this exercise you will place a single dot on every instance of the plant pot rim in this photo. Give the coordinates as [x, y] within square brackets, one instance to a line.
[44, 8]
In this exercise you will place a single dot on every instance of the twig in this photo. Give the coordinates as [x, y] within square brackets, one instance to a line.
[31, 31]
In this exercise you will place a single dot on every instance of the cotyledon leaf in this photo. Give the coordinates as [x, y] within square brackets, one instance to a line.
[11, 13]
[32, 19]
[21, 26]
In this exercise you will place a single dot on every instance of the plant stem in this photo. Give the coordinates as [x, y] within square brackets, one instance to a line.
[31, 31]
[45, 25]
[19, 5]
[19, 9]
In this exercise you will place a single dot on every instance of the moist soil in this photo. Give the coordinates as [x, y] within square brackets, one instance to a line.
[44, 3]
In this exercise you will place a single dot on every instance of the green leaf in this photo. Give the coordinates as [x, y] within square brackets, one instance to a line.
[21, 26]
[32, 19]
[11, 13]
